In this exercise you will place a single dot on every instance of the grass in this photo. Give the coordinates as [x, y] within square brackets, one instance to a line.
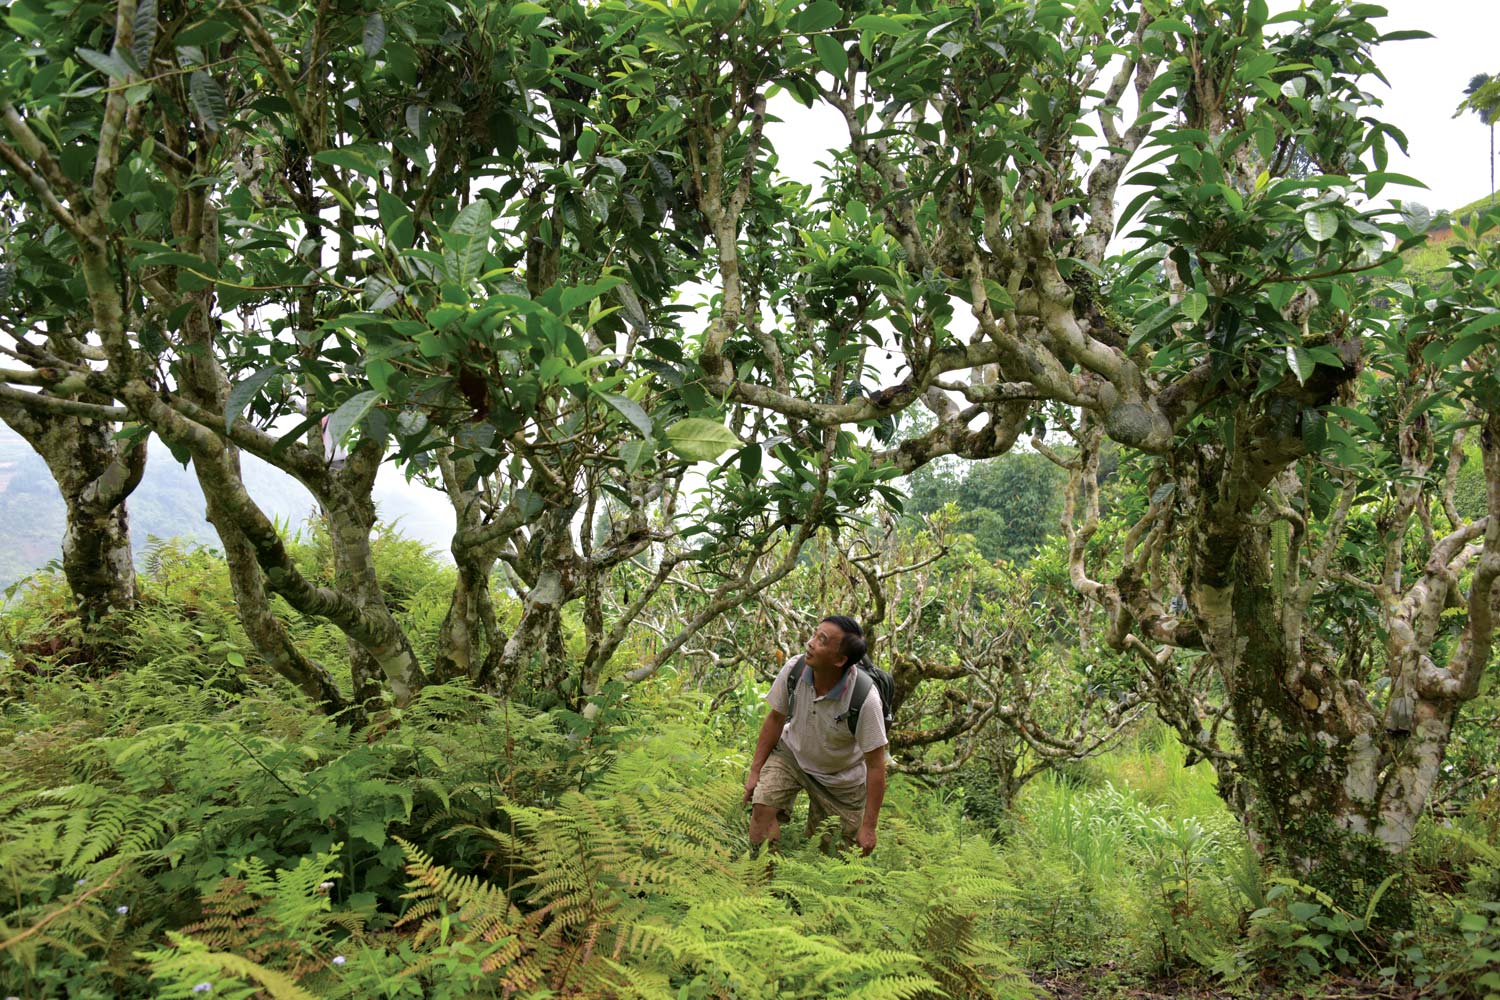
[1132, 856]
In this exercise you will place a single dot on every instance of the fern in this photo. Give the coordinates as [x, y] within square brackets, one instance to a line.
[191, 962]
[485, 914]
[60, 924]
[1487, 853]
[102, 822]
[488, 849]
[269, 925]
[231, 920]
[643, 880]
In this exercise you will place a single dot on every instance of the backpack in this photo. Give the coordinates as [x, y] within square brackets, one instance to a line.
[866, 674]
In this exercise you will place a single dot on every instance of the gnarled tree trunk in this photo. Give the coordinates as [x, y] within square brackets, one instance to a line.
[95, 472]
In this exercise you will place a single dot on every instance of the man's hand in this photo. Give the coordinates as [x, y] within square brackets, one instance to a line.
[865, 838]
[751, 780]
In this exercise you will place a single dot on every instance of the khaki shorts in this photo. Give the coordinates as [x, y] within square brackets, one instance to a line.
[780, 781]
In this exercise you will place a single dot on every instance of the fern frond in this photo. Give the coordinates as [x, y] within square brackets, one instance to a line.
[191, 959]
[897, 988]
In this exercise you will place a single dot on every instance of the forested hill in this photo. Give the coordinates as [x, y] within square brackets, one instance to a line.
[168, 504]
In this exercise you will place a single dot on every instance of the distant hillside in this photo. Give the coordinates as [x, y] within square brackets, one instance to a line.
[1431, 256]
[168, 504]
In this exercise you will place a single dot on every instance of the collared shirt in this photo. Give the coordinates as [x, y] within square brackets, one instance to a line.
[817, 732]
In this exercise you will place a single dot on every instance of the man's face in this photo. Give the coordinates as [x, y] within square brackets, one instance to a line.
[826, 647]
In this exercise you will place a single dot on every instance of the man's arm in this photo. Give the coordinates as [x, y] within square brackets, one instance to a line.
[770, 733]
[874, 796]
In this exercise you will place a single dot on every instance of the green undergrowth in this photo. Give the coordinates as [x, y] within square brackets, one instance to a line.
[473, 849]
[1132, 859]
[1134, 864]
[185, 819]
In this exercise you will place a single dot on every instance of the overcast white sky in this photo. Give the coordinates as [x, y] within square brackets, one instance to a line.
[1427, 79]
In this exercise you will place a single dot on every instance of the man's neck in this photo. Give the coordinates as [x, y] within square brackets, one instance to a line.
[824, 678]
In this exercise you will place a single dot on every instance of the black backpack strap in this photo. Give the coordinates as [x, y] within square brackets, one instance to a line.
[793, 678]
[862, 684]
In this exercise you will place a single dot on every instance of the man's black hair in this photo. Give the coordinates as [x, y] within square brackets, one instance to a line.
[853, 646]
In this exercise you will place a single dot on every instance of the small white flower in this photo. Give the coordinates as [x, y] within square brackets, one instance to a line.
[203, 987]
[339, 960]
[122, 910]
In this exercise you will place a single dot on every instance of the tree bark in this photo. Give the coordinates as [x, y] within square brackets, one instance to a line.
[381, 651]
[469, 639]
[95, 472]
[1305, 784]
[552, 586]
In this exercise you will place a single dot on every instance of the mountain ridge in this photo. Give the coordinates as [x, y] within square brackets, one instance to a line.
[169, 504]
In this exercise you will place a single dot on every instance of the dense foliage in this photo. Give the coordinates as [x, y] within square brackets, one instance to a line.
[192, 820]
[542, 255]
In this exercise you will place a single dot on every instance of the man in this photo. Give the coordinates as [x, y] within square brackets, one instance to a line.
[842, 772]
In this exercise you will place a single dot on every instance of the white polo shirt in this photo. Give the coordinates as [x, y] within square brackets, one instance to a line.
[817, 732]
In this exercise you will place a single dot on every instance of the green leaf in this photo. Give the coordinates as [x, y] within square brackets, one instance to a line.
[1454, 355]
[630, 305]
[699, 440]
[1300, 362]
[1136, 204]
[1302, 912]
[441, 315]
[143, 33]
[1194, 305]
[208, 99]
[172, 258]
[588, 141]
[416, 121]
[1417, 216]
[999, 297]
[880, 24]
[379, 373]
[348, 158]
[597, 204]
[1358, 418]
[832, 55]
[882, 276]
[635, 454]
[374, 36]
[1314, 429]
[819, 16]
[109, 65]
[630, 410]
[750, 459]
[348, 416]
[469, 241]
[380, 294]
[371, 830]
[1320, 223]
[392, 209]
[241, 395]
[1486, 322]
